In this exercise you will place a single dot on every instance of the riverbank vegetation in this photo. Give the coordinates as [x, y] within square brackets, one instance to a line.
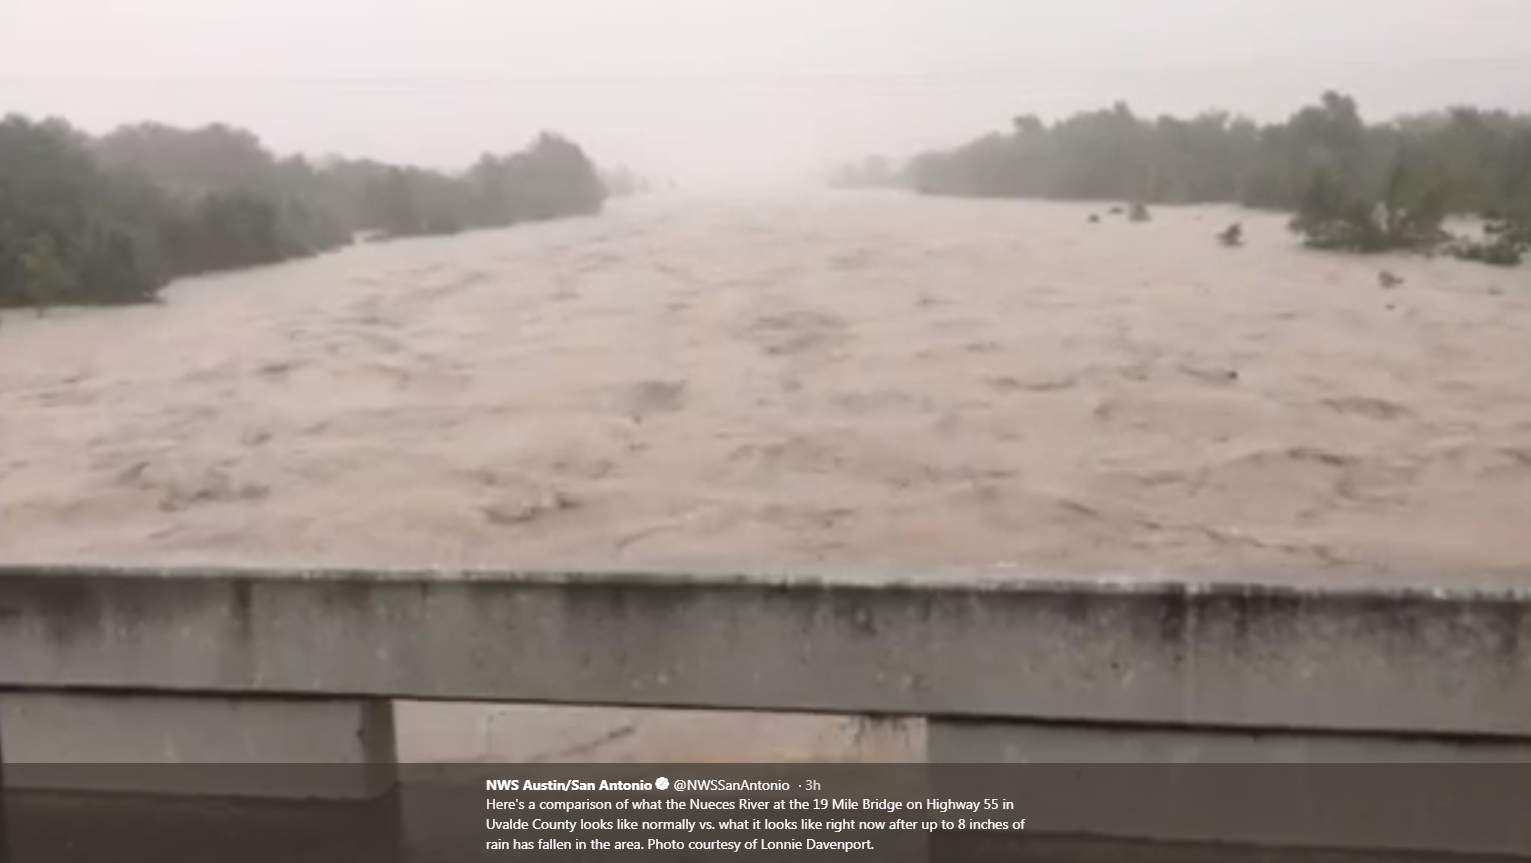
[1353, 185]
[111, 219]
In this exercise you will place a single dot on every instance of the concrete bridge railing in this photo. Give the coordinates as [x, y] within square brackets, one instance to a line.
[102, 665]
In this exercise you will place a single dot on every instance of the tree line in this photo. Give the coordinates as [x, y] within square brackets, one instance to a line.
[1353, 184]
[112, 219]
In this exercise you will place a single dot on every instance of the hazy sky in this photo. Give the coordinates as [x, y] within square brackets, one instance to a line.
[701, 90]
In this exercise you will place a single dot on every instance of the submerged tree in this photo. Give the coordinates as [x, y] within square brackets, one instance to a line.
[1506, 242]
[1408, 215]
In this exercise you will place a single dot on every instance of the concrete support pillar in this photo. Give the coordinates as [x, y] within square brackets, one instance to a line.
[1275, 790]
[294, 749]
[5, 834]
[173, 777]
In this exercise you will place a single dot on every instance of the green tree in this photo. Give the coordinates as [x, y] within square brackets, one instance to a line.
[112, 219]
[1352, 185]
[47, 280]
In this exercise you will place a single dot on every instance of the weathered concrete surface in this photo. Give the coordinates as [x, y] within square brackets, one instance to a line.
[435, 732]
[1334, 791]
[1009, 644]
[955, 741]
[198, 746]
